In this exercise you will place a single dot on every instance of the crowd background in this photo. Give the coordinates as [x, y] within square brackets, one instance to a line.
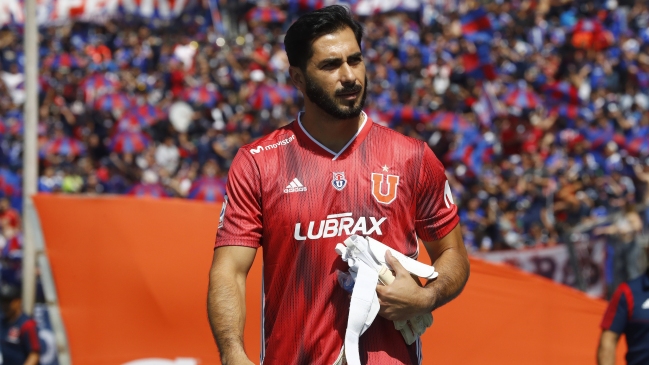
[538, 109]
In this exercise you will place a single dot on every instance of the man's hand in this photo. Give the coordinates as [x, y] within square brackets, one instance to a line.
[404, 298]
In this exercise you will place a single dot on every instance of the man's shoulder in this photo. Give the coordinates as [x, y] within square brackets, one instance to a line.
[23, 322]
[396, 138]
[24, 318]
[271, 141]
[639, 284]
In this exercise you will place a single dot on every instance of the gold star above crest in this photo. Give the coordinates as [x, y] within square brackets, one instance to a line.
[385, 168]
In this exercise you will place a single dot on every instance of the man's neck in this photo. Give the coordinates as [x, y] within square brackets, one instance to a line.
[330, 132]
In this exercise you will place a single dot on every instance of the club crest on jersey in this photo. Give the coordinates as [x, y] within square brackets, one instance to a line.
[13, 335]
[384, 193]
[339, 182]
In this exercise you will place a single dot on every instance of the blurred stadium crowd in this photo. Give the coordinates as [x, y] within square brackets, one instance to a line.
[538, 109]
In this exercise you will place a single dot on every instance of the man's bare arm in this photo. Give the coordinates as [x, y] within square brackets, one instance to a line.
[607, 345]
[450, 259]
[226, 301]
[32, 359]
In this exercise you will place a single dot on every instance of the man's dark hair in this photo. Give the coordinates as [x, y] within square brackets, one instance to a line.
[311, 26]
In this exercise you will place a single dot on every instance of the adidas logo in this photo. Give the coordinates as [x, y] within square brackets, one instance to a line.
[295, 186]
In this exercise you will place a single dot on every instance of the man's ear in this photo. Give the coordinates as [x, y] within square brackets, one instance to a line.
[297, 76]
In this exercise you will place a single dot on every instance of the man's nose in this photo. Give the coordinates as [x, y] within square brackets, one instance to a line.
[347, 74]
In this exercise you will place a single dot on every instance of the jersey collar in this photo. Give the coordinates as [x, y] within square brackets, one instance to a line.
[356, 140]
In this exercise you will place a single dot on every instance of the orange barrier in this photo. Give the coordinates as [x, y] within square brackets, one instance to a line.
[132, 276]
[506, 316]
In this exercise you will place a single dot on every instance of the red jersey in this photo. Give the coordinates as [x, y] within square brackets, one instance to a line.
[297, 199]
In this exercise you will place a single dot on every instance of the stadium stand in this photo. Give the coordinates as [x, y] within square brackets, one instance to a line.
[538, 109]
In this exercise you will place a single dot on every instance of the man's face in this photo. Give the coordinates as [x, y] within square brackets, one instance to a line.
[10, 307]
[335, 77]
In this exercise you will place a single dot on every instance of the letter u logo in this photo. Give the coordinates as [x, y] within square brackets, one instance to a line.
[390, 190]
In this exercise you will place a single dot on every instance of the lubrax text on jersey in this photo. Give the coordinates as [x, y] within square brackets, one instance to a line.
[336, 224]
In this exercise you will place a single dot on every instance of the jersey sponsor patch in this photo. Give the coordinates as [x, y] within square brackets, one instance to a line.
[337, 224]
[283, 142]
[339, 182]
[222, 215]
[384, 193]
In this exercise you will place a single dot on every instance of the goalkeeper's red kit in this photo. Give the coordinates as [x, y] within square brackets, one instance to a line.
[297, 199]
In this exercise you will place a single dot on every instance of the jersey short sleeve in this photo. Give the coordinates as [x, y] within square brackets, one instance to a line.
[619, 310]
[436, 212]
[240, 222]
[29, 337]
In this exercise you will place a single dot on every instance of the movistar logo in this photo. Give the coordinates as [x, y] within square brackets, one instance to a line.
[283, 142]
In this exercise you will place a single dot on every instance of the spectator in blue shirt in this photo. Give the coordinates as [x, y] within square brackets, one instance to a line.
[19, 342]
[628, 314]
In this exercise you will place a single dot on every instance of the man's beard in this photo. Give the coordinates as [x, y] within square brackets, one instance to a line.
[330, 105]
